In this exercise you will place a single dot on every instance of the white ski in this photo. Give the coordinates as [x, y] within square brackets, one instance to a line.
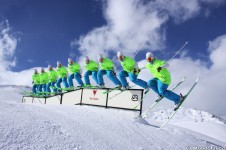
[175, 110]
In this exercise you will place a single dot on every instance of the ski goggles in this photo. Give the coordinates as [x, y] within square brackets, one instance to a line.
[120, 58]
[101, 60]
[149, 59]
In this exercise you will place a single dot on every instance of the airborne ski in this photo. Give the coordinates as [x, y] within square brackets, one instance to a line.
[180, 104]
[160, 98]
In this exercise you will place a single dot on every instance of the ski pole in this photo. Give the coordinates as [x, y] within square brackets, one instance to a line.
[138, 49]
[174, 54]
[114, 57]
[135, 52]
[177, 52]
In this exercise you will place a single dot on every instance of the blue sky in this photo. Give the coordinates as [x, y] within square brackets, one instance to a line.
[46, 29]
[36, 33]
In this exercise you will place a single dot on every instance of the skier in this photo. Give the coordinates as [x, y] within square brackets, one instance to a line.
[91, 69]
[52, 80]
[107, 67]
[44, 79]
[162, 78]
[74, 69]
[131, 70]
[35, 81]
[62, 75]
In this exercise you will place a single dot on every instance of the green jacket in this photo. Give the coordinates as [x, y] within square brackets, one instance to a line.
[107, 64]
[61, 72]
[36, 79]
[128, 64]
[74, 68]
[91, 66]
[44, 78]
[52, 76]
[164, 75]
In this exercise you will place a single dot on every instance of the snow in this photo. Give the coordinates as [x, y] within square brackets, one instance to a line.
[33, 126]
[195, 120]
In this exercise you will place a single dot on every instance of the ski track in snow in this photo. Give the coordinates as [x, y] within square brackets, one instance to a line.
[34, 126]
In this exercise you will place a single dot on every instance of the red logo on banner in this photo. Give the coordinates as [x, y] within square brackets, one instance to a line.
[94, 92]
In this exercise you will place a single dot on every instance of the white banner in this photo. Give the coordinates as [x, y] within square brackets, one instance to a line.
[94, 97]
[72, 98]
[53, 100]
[127, 99]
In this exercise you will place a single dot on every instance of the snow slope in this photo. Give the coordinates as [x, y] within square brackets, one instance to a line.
[29, 126]
[196, 120]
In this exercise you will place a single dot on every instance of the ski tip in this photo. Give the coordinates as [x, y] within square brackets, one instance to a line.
[162, 126]
[197, 79]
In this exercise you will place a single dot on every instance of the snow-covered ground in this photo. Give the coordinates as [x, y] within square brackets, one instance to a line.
[32, 126]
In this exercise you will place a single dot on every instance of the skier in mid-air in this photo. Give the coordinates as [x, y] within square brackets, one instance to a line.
[162, 79]
[131, 70]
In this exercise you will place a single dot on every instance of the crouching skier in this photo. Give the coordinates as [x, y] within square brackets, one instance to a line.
[52, 80]
[162, 78]
[91, 69]
[44, 79]
[62, 76]
[74, 69]
[35, 82]
[107, 67]
[131, 70]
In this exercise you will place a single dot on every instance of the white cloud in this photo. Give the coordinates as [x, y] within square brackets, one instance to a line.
[8, 44]
[130, 23]
[218, 55]
[7, 47]
[177, 9]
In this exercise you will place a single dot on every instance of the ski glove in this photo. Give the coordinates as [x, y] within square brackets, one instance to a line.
[136, 70]
[159, 69]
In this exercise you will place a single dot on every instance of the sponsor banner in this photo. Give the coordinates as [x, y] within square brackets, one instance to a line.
[94, 97]
[72, 98]
[127, 99]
